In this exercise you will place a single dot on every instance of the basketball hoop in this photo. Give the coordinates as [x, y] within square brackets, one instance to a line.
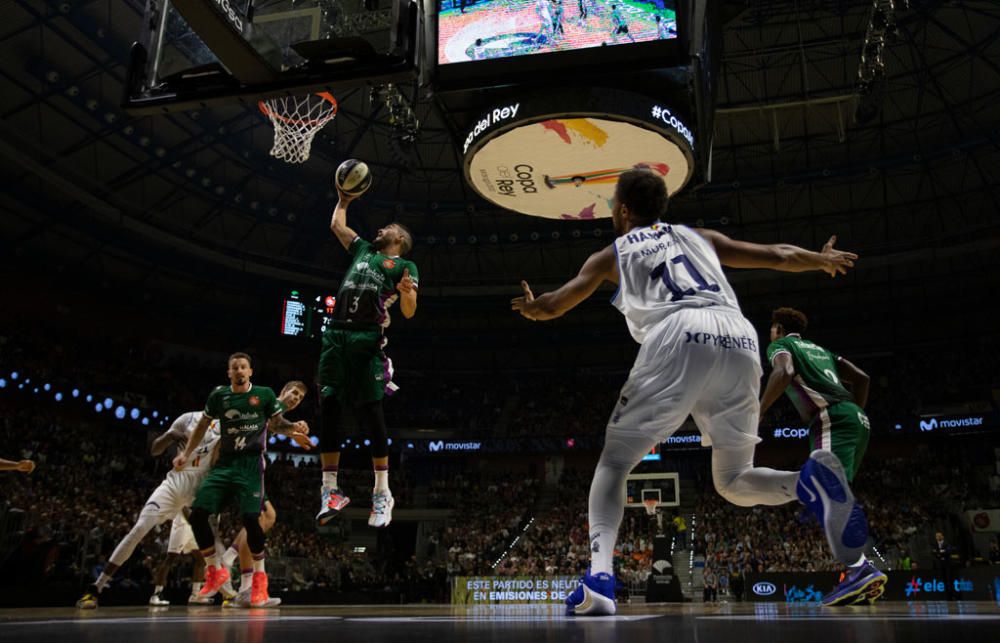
[296, 120]
[650, 504]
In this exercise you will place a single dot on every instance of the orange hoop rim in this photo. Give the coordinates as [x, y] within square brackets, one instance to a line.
[651, 504]
[327, 96]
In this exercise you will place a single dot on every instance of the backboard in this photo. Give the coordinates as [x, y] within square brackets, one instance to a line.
[193, 53]
[641, 486]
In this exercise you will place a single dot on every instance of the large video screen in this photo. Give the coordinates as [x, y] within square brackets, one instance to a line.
[470, 30]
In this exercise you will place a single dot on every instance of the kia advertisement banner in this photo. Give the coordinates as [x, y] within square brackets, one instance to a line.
[967, 584]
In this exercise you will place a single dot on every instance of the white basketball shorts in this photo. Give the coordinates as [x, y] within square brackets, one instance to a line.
[174, 493]
[702, 362]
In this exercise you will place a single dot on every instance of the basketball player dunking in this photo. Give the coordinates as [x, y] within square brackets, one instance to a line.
[698, 356]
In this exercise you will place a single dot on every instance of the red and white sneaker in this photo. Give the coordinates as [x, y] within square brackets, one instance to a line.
[215, 578]
[332, 503]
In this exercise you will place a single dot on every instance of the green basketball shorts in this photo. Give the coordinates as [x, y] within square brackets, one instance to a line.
[234, 476]
[844, 429]
[353, 367]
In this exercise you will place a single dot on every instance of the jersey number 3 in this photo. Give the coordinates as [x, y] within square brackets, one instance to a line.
[676, 292]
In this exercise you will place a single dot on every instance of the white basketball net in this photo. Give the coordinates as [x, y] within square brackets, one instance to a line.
[296, 120]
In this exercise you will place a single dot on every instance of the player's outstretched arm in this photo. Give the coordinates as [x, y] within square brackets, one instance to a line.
[338, 222]
[196, 437]
[173, 435]
[24, 466]
[598, 268]
[779, 256]
[781, 376]
[857, 378]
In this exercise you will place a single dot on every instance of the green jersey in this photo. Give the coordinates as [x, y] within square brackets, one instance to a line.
[369, 287]
[243, 416]
[816, 385]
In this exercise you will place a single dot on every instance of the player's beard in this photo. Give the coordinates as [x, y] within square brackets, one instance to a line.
[241, 380]
[380, 243]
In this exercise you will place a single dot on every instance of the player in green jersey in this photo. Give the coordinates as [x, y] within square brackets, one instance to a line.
[244, 412]
[814, 378]
[354, 372]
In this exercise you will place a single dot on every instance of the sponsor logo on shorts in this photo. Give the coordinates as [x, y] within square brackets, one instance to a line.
[764, 588]
[721, 341]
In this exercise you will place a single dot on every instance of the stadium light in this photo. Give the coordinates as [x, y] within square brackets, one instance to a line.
[59, 397]
[314, 440]
[3, 383]
[368, 443]
[120, 412]
[108, 402]
[145, 421]
[14, 375]
[35, 390]
[271, 440]
[98, 407]
[135, 414]
[156, 414]
[20, 386]
[390, 442]
[75, 392]
[90, 398]
[47, 387]
[409, 445]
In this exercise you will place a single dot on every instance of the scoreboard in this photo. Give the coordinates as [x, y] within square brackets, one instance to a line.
[306, 315]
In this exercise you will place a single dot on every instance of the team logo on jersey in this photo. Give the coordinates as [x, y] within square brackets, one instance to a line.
[254, 400]
[388, 264]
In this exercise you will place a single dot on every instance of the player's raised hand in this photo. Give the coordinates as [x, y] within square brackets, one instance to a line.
[343, 197]
[301, 435]
[405, 284]
[26, 466]
[179, 461]
[523, 304]
[836, 261]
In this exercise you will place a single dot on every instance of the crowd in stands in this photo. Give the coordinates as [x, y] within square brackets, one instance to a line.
[94, 474]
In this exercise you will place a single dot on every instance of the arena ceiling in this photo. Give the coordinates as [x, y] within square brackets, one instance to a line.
[174, 202]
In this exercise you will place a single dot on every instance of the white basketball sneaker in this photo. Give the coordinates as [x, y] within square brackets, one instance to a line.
[382, 504]
[158, 601]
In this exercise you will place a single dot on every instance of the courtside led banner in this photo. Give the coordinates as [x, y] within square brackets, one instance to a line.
[511, 590]
[559, 155]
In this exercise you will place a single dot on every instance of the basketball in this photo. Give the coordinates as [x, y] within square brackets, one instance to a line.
[353, 177]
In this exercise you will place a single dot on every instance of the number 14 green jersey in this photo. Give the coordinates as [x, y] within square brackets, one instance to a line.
[243, 416]
[816, 385]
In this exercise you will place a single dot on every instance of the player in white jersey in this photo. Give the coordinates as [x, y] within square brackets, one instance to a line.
[698, 357]
[165, 503]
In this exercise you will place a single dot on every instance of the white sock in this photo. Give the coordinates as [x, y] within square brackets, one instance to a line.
[220, 549]
[159, 588]
[102, 582]
[381, 481]
[258, 565]
[330, 479]
[246, 579]
[195, 588]
[212, 561]
[230, 557]
[861, 561]
[606, 504]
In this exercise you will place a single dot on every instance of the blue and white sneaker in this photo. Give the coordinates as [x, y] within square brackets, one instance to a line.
[824, 490]
[863, 584]
[594, 596]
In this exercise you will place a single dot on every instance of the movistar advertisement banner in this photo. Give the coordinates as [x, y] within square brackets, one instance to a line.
[511, 590]
[952, 424]
[967, 584]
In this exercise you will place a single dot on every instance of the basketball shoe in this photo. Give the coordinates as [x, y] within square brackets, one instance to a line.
[594, 596]
[382, 504]
[198, 599]
[332, 503]
[227, 590]
[860, 584]
[89, 600]
[824, 490]
[258, 592]
[215, 578]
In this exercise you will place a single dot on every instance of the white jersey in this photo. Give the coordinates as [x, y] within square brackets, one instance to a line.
[666, 268]
[201, 458]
